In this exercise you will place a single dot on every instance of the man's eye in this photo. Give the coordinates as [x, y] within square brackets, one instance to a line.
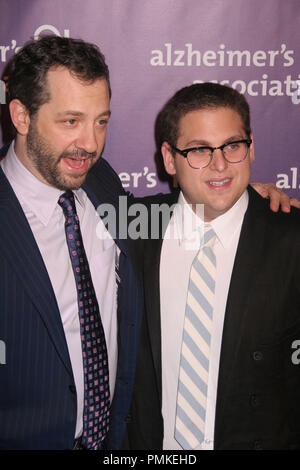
[233, 146]
[71, 122]
[102, 122]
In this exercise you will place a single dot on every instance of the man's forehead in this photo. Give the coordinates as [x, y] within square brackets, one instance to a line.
[218, 115]
[61, 78]
[56, 73]
[65, 91]
[204, 125]
[209, 110]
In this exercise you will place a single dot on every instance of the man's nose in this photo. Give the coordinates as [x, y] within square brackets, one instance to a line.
[218, 161]
[87, 139]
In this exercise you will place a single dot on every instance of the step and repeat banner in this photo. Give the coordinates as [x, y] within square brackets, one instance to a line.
[154, 47]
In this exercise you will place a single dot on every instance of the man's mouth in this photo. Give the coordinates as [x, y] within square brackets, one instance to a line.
[77, 163]
[219, 183]
[78, 159]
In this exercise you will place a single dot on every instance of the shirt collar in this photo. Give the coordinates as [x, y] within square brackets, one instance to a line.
[229, 223]
[40, 198]
[189, 227]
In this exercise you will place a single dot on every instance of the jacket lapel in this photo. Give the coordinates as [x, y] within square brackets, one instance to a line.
[103, 189]
[151, 275]
[247, 261]
[152, 303]
[19, 247]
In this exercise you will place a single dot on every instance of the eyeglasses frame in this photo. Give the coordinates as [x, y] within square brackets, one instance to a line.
[185, 152]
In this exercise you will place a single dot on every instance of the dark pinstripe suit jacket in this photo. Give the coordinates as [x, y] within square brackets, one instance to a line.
[37, 389]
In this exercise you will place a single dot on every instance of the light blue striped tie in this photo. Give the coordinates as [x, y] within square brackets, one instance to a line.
[194, 360]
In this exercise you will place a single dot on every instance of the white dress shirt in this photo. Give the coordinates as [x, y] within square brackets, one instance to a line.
[47, 222]
[178, 253]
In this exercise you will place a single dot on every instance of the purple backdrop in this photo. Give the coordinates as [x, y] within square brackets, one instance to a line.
[155, 47]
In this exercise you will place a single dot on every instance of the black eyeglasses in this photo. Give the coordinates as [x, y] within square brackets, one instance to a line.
[200, 157]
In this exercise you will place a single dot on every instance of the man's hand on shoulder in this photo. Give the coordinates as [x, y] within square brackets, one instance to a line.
[277, 197]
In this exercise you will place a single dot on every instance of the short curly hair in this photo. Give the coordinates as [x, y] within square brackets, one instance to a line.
[27, 72]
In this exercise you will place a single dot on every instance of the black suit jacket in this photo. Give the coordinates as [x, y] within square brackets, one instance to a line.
[37, 389]
[258, 402]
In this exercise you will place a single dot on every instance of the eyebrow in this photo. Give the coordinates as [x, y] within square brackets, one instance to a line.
[197, 143]
[80, 114]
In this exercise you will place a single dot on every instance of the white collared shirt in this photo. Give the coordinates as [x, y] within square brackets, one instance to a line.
[176, 259]
[47, 222]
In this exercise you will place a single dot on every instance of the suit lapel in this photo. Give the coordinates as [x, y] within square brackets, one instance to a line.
[102, 189]
[151, 275]
[247, 261]
[152, 303]
[19, 247]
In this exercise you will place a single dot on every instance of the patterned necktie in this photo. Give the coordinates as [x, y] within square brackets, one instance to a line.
[94, 352]
[194, 360]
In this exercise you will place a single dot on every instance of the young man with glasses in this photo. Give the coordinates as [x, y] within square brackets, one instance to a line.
[215, 368]
[59, 94]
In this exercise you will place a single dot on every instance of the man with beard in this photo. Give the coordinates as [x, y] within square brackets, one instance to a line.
[66, 379]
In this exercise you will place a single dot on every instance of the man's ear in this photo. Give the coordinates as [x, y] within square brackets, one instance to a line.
[19, 116]
[251, 149]
[169, 160]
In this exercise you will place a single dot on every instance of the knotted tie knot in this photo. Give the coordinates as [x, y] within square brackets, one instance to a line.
[209, 236]
[67, 203]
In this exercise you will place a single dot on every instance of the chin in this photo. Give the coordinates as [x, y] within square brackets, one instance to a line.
[70, 183]
[216, 211]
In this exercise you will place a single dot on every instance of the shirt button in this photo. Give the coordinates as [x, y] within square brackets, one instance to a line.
[254, 401]
[257, 445]
[257, 355]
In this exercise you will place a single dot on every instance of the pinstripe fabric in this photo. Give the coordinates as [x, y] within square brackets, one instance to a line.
[35, 397]
[194, 360]
[37, 393]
